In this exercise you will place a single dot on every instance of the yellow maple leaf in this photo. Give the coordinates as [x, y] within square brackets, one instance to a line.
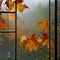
[13, 8]
[30, 44]
[3, 24]
[21, 7]
[10, 5]
[22, 40]
[44, 25]
[40, 40]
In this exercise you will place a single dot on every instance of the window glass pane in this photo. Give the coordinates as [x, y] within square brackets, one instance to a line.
[58, 30]
[7, 21]
[33, 31]
[52, 29]
[7, 46]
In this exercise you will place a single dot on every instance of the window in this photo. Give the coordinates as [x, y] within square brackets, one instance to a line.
[27, 30]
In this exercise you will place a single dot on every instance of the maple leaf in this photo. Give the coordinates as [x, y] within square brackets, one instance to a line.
[7, 3]
[33, 37]
[13, 8]
[46, 42]
[21, 7]
[45, 36]
[10, 4]
[31, 44]
[20, 1]
[3, 25]
[23, 40]
[44, 25]
[40, 40]
[45, 39]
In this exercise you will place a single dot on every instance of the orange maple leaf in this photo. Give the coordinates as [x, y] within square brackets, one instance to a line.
[30, 43]
[3, 24]
[44, 25]
[21, 7]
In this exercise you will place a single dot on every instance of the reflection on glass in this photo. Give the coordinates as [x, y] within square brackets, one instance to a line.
[7, 21]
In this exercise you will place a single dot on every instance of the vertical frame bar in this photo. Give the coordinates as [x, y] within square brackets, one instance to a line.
[16, 30]
[49, 29]
[55, 29]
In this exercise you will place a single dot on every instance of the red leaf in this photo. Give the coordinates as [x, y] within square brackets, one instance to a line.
[7, 3]
[20, 1]
[34, 39]
[37, 43]
[45, 36]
